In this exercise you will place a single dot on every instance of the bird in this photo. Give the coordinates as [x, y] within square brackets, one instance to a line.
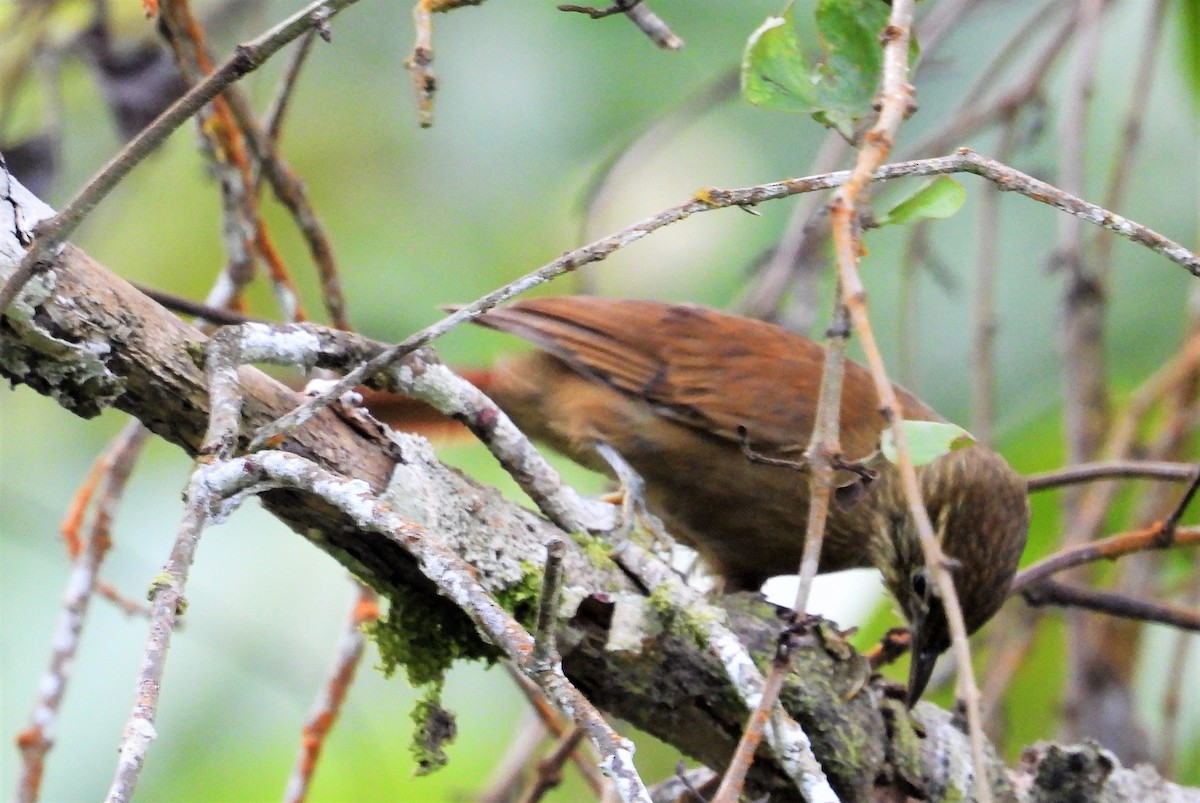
[680, 391]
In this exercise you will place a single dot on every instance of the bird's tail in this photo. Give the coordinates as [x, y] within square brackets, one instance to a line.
[413, 415]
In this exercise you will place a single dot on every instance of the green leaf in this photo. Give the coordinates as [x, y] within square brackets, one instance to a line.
[936, 199]
[927, 440]
[834, 79]
[849, 74]
[775, 73]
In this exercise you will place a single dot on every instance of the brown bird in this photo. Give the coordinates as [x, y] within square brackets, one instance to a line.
[676, 389]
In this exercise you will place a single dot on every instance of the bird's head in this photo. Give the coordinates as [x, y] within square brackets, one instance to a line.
[980, 516]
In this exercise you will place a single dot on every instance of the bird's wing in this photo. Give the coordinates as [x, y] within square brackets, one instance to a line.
[713, 371]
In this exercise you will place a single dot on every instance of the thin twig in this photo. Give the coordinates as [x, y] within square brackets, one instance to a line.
[896, 97]
[273, 118]
[1116, 546]
[168, 603]
[983, 313]
[544, 651]
[963, 161]
[1115, 469]
[822, 450]
[549, 770]
[639, 14]
[1131, 132]
[555, 724]
[51, 234]
[328, 704]
[1050, 592]
[1084, 375]
[245, 232]
[113, 469]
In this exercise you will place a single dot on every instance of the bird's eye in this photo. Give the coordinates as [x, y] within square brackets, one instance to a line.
[920, 583]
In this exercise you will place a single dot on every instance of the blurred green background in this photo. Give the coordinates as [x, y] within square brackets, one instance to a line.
[532, 103]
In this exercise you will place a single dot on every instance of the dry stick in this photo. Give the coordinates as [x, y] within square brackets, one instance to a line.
[1171, 708]
[1114, 469]
[551, 719]
[895, 104]
[1051, 592]
[653, 26]
[962, 161]
[549, 770]
[1085, 399]
[504, 782]
[1085, 372]
[52, 233]
[201, 503]
[1093, 507]
[290, 191]
[328, 704]
[545, 653]
[639, 14]
[1131, 131]
[278, 108]
[419, 63]
[246, 233]
[819, 460]
[113, 470]
[1180, 426]
[1111, 548]
[168, 603]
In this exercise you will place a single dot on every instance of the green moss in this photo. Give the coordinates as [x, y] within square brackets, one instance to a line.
[425, 634]
[905, 742]
[435, 728]
[521, 598]
[692, 622]
[598, 550]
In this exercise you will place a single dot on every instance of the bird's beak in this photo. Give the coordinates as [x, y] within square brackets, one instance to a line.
[921, 668]
[929, 640]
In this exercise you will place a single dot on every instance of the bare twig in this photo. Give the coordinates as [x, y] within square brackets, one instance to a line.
[963, 161]
[328, 704]
[895, 104]
[549, 770]
[113, 468]
[1050, 592]
[168, 603]
[639, 14]
[544, 652]
[419, 64]
[273, 118]
[51, 234]
[1116, 469]
[553, 723]
[1110, 548]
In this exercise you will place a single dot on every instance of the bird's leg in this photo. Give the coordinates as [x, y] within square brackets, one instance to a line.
[631, 497]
